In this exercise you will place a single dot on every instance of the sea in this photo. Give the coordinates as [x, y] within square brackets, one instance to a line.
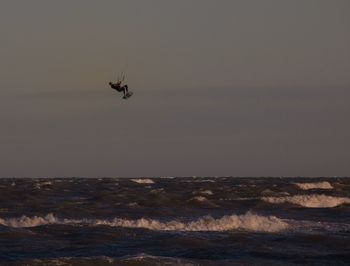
[175, 221]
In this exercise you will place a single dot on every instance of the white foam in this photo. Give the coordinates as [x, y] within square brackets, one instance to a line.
[318, 185]
[206, 192]
[206, 180]
[203, 192]
[310, 201]
[143, 181]
[157, 260]
[198, 180]
[248, 221]
[199, 198]
[39, 185]
[25, 221]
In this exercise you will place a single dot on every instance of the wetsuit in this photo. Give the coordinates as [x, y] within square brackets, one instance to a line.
[119, 88]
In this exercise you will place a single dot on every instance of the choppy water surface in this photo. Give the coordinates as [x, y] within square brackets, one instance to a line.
[175, 221]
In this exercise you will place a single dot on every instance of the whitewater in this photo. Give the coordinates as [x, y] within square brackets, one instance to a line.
[174, 221]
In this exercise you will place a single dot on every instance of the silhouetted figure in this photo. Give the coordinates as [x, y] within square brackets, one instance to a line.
[117, 86]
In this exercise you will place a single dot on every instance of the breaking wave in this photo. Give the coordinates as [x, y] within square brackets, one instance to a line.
[199, 198]
[138, 259]
[39, 185]
[25, 221]
[319, 185]
[248, 221]
[157, 260]
[310, 201]
[203, 192]
[143, 181]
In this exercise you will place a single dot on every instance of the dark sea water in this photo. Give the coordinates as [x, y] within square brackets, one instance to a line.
[175, 221]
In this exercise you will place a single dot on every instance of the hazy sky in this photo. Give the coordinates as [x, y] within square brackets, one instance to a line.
[222, 87]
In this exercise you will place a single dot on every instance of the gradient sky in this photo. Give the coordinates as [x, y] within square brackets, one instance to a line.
[238, 88]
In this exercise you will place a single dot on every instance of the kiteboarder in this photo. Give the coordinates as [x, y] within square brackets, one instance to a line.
[118, 87]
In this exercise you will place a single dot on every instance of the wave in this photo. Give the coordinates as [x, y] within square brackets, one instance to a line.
[25, 221]
[94, 260]
[310, 201]
[39, 185]
[205, 180]
[318, 185]
[199, 199]
[157, 191]
[248, 222]
[203, 192]
[157, 260]
[198, 180]
[143, 181]
[138, 259]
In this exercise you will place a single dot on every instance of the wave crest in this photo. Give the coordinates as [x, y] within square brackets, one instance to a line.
[25, 221]
[248, 221]
[199, 199]
[143, 181]
[310, 201]
[318, 185]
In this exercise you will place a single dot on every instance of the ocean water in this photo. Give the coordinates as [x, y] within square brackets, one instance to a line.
[175, 221]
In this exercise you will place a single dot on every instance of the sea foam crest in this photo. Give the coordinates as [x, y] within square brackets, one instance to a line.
[25, 221]
[199, 198]
[203, 192]
[248, 221]
[318, 185]
[146, 259]
[143, 181]
[310, 201]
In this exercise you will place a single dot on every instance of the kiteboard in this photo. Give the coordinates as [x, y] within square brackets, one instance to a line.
[128, 95]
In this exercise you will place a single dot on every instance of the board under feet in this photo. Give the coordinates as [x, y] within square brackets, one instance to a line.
[128, 95]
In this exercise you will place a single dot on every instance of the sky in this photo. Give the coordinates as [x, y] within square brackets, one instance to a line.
[221, 88]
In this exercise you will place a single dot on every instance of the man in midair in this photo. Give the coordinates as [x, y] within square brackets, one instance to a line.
[118, 87]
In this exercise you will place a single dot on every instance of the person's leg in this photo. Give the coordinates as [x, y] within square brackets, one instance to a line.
[126, 88]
